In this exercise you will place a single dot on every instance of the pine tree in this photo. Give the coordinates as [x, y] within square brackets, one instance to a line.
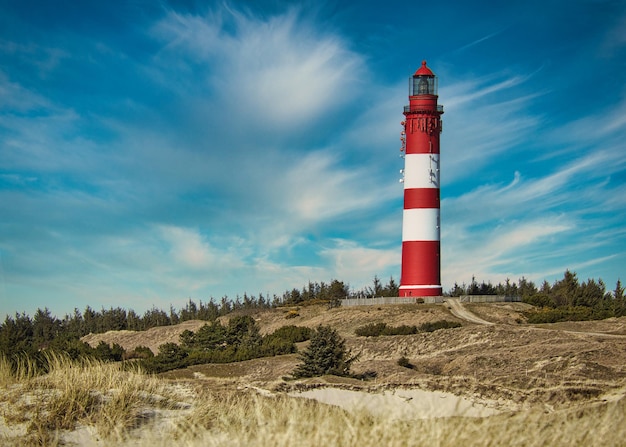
[391, 289]
[326, 354]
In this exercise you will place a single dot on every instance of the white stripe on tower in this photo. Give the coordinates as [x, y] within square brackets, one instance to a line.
[421, 171]
[420, 224]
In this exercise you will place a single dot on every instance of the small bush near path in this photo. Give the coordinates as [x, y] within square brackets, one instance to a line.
[405, 363]
[571, 313]
[377, 329]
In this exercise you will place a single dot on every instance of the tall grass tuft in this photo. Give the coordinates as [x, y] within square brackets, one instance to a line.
[18, 369]
[86, 392]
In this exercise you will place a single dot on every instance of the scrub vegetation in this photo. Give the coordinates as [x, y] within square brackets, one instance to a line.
[213, 343]
[225, 375]
[377, 329]
[90, 402]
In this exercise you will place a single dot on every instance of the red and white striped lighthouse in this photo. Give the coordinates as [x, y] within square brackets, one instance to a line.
[421, 260]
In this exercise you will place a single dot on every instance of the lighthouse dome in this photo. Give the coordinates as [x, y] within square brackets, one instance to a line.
[424, 70]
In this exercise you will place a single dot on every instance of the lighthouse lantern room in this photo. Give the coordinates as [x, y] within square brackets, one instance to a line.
[421, 253]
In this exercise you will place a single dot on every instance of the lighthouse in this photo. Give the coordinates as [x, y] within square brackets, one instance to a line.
[421, 251]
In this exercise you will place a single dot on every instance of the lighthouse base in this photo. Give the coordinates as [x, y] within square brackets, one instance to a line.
[419, 290]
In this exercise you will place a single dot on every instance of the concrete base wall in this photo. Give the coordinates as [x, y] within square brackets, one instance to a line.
[390, 300]
[427, 300]
[489, 299]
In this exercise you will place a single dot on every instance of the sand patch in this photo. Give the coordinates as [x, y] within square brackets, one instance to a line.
[402, 404]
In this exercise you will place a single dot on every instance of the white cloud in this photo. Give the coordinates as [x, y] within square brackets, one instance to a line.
[317, 188]
[541, 225]
[523, 197]
[470, 92]
[16, 98]
[279, 72]
[357, 265]
[187, 247]
[607, 125]
[45, 58]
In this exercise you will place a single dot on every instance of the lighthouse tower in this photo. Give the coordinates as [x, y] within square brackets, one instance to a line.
[421, 260]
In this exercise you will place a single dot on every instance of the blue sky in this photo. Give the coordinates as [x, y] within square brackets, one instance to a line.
[152, 152]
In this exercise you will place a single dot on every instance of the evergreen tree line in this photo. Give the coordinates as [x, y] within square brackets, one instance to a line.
[21, 333]
[523, 288]
[336, 290]
[567, 298]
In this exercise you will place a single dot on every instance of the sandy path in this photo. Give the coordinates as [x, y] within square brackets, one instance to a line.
[459, 311]
[582, 334]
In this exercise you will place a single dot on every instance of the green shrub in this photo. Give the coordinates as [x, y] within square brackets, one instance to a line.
[436, 325]
[106, 352]
[294, 334]
[405, 363]
[140, 352]
[214, 343]
[371, 330]
[377, 329]
[272, 346]
[401, 330]
[549, 315]
[539, 300]
[326, 354]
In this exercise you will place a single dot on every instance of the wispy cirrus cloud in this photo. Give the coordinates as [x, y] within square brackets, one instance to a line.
[483, 119]
[478, 41]
[279, 72]
[200, 194]
[535, 221]
[45, 58]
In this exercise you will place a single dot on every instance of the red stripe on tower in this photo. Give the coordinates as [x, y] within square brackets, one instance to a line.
[421, 251]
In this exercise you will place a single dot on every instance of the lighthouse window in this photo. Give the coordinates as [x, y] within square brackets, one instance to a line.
[423, 87]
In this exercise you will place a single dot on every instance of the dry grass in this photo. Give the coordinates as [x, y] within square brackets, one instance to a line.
[25, 370]
[111, 406]
[252, 420]
[79, 393]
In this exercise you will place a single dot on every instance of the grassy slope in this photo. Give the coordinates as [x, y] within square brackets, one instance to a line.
[507, 360]
[567, 381]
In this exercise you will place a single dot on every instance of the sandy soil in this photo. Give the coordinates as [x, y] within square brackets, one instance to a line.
[402, 403]
[551, 365]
